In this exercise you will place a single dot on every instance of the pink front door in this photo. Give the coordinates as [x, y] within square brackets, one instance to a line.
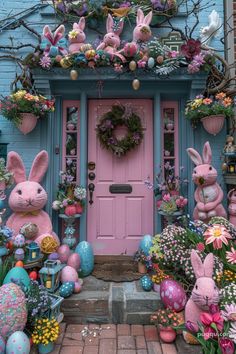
[117, 222]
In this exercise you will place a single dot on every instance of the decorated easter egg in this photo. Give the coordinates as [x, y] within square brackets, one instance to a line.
[146, 283]
[85, 251]
[130, 49]
[135, 84]
[66, 289]
[53, 256]
[12, 309]
[18, 343]
[132, 65]
[19, 240]
[173, 295]
[33, 275]
[19, 274]
[29, 230]
[69, 274]
[78, 287]
[74, 261]
[151, 62]
[19, 254]
[63, 252]
[145, 244]
[2, 345]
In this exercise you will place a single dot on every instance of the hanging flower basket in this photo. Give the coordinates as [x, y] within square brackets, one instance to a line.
[213, 124]
[28, 123]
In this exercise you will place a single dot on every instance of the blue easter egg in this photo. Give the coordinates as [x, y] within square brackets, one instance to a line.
[1, 204]
[2, 345]
[18, 343]
[17, 274]
[85, 251]
[67, 289]
[151, 62]
[145, 244]
[146, 283]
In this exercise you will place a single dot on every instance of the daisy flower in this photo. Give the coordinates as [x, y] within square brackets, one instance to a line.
[231, 256]
[217, 234]
[45, 62]
[229, 313]
[232, 332]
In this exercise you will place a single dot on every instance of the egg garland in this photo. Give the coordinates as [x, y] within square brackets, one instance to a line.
[66, 289]
[119, 116]
[18, 343]
[146, 283]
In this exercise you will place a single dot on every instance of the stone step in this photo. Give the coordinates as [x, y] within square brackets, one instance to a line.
[108, 302]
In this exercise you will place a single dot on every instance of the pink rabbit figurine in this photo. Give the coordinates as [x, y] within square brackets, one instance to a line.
[111, 40]
[205, 292]
[142, 31]
[208, 194]
[28, 197]
[77, 36]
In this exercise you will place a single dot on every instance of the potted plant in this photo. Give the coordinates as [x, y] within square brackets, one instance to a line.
[158, 278]
[6, 177]
[141, 258]
[45, 333]
[24, 108]
[166, 320]
[211, 111]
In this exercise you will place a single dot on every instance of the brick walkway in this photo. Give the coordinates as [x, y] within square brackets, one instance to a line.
[116, 339]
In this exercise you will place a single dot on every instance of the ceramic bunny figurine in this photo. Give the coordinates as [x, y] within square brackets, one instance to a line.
[205, 292]
[142, 31]
[111, 40]
[54, 44]
[208, 194]
[77, 36]
[28, 197]
[232, 206]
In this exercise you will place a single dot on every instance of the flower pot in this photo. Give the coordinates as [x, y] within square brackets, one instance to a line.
[156, 287]
[142, 268]
[167, 334]
[44, 349]
[213, 124]
[28, 123]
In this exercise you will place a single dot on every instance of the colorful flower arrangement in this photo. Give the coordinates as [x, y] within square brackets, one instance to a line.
[201, 107]
[70, 197]
[6, 177]
[45, 331]
[172, 204]
[140, 256]
[14, 105]
[166, 318]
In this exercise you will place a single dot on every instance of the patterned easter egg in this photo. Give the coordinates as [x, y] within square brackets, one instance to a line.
[151, 62]
[2, 345]
[19, 240]
[85, 251]
[173, 295]
[146, 283]
[69, 274]
[66, 289]
[19, 274]
[63, 252]
[74, 261]
[12, 309]
[145, 244]
[18, 343]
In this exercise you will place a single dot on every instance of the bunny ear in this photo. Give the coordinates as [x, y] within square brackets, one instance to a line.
[208, 265]
[140, 17]
[148, 18]
[39, 167]
[197, 264]
[230, 193]
[119, 26]
[110, 23]
[194, 156]
[81, 23]
[16, 166]
[207, 154]
[47, 30]
[60, 29]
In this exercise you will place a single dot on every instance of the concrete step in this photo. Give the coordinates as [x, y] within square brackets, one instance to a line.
[108, 302]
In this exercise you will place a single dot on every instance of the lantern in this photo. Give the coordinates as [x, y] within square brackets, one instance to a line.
[50, 274]
[33, 252]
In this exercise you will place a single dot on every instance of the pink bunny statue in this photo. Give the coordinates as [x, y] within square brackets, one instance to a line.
[28, 197]
[232, 206]
[111, 40]
[77, 36]
[208, 194]
[205, 292]
[142, 31]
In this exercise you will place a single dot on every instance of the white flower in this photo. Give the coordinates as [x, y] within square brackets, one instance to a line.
[56, 205]
[232, 331]
[80, 193]
[229, 313]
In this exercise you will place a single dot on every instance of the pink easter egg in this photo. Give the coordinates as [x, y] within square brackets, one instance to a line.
[173, 295]
[78, 287]
[130, 49]
[74, 261]
[63, 253]
[69, 274]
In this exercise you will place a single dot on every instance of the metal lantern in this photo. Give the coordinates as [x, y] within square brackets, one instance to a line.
[50, 274]
[33, 252]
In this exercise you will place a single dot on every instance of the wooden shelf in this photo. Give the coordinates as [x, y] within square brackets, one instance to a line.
[230, 178]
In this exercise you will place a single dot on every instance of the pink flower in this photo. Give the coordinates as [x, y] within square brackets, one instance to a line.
[173, 54]
[191, 327]
[217, 235]
[193, 68]
[226, 345]
[229, 313]
[166, 197]
[45, 62]
[200, 247]
[212, 320]
[181, 202]
[191, 48]
[141, 63]
[231, 256]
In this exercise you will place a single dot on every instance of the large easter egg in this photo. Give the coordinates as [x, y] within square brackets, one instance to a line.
[18, 343]
[19, 240]
[63, 253]
[173, 295]
[53, 256]
[69, 274]
[2, 345]
[85, 251]
[74, 261]
[19, 274]
[66, 289]
[146, 283]
[145, 244]
[12, 309]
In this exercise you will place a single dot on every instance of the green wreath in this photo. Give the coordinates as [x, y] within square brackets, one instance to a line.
[118, 116]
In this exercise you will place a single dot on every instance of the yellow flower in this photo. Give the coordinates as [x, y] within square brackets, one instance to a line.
[73, 34]
[19, 95]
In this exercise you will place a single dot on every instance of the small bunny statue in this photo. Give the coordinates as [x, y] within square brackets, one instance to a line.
[111, 40]
[54, 44]
[28, 197]
[142, 31]
[208, 194]
[77, 36]
[205, 292]
[232, 206]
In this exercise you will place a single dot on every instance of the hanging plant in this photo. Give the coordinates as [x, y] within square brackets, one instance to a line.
[120, 116]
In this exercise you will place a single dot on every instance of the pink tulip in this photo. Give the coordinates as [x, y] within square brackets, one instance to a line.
[226, 346]
[166, 197]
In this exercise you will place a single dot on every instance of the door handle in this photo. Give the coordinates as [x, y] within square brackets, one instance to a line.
[91, 188]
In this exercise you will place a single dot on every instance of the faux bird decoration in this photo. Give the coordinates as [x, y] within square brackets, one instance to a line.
[208, 32]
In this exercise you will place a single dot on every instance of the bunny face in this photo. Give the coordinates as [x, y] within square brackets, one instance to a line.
[204, 175]
[205, 293]
[142, 31]
[111, 39]
[27, 196]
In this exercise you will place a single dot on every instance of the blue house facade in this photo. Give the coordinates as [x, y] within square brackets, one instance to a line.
[167, 95]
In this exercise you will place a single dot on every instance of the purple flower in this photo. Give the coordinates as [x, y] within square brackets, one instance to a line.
[108, 124]
[199, 59]
[136, 138]
[157, 5]
[45, 62]
[82, 10]
[193, 68]
[112, 141]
